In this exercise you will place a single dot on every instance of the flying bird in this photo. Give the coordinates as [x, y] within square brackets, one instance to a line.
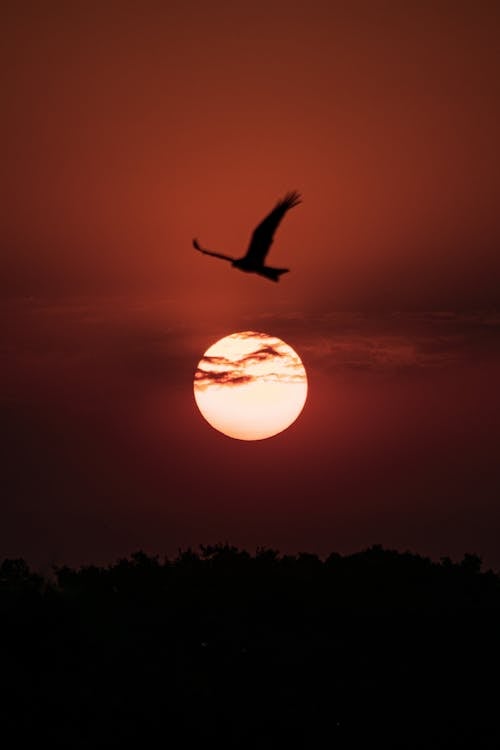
[262, 239]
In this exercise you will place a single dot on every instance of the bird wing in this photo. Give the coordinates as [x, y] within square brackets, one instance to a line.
[211, 252]
[263, 234]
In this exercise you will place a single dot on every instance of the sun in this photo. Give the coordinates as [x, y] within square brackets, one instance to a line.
[250, 386]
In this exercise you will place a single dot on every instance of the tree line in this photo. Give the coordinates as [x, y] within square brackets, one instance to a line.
[223, 647]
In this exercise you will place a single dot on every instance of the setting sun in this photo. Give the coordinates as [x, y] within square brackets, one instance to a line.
[250, 386]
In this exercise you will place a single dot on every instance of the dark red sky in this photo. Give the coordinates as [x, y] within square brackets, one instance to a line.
[127, 129]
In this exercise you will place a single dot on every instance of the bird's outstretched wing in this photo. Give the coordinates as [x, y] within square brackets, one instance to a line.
[262, 236]
[210, 252]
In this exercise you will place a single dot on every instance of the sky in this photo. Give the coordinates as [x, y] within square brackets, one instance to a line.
[130, 128]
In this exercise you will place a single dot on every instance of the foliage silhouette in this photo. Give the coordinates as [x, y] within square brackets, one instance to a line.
[222, 647]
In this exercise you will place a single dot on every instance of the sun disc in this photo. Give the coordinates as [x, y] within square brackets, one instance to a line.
[250, 385]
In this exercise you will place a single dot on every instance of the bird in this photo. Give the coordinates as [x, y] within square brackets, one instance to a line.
[261, 241]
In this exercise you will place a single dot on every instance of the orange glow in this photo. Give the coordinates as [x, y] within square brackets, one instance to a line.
[250, 386]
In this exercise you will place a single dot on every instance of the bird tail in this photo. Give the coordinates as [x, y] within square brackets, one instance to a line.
[272, 273]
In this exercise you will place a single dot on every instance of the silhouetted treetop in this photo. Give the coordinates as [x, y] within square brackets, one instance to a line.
[375, 577]
[222, 647]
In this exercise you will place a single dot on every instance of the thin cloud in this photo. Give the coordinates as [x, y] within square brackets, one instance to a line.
[265, 352]
[217, 361]
[397, 341]
[205, 378]
[220, 370]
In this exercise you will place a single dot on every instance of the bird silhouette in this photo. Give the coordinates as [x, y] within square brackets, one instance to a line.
[261, 241]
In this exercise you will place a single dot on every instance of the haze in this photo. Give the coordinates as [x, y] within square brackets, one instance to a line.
[131, 128]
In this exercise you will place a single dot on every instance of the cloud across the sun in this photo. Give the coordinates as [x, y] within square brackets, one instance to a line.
[262, 357]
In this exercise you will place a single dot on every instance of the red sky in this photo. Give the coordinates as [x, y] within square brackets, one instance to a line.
[128, 128]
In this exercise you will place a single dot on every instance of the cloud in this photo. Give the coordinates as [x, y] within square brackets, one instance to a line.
[391, 342]
[265, 352]
[204, 378]
[219, 370]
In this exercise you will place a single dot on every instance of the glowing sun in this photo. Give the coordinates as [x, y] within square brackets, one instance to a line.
[250, 386]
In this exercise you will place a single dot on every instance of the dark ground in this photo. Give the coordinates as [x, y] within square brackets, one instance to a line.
[225, 649]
